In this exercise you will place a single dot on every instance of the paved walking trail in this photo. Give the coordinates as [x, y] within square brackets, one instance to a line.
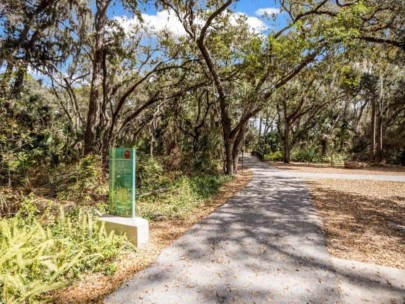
[263, 246]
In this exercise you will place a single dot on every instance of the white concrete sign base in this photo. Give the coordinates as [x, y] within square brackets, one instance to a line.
[136, 229]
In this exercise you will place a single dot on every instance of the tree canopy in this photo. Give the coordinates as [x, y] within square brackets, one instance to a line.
[77, 80]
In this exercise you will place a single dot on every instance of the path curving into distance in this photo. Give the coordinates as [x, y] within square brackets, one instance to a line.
[263, 246]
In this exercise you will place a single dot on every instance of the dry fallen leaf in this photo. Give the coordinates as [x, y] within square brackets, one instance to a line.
[362, 219]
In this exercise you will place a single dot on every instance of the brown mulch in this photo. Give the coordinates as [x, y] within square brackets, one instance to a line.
[326, 168]
[363, 220]
[93, 288]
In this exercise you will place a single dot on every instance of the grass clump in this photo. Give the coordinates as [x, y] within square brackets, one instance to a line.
[38, 255]
[183, 195]
[274, 156]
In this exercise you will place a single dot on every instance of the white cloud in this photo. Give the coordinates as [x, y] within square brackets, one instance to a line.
[269, 11]
[34, 72]
[128, 25]
[163, 20]
[255, 24]
[167, 20]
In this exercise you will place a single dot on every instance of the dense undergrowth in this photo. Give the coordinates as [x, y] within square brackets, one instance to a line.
[182, 195]
[50, 237]
[166, 194]
[39, 254]
[308, 155]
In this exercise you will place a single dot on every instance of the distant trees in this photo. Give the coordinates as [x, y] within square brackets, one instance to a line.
[245, 77]
[36, 34]
[380, 90]
[198, 91]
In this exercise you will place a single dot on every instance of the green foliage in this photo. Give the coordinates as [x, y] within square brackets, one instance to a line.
[306, 155]
[346, 25]
[79, 181]
[399, 158]
[336, 158]
[38, 255]
[269, 143]
[312, 155]
[22, 134]
[350, 77]
[274, 156]
[206, 158]
[183, 195]
[149, 172]
[32, 135]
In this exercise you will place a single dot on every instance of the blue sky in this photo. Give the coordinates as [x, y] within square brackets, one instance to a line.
[161, 19]
[251, 6]
[247, 7]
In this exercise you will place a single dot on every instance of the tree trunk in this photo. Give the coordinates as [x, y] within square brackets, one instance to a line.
[266, 129]
[380, 134]
[379, 127]
[260, 126]
[228, 168]
[373, 132]
[19, 81]
[235, 159]
[237, 147]
[324, 143]
[332, 154]
[95, 102]
[286, 156]
[151, 143]
[105, 150]
[228, 137]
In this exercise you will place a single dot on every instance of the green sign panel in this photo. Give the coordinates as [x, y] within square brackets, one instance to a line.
[122, 182]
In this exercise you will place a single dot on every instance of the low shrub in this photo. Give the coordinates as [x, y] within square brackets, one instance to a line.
[338, 158]
[269, 143]
[79, 181]
[181, 197]
[311, 155]
[276, 156]
[150, 174]
[306, 155]
[395, 157]
[38, 255]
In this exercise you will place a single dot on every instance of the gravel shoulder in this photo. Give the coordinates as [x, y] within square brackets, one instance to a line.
[327, 169]
[362, 220]
[339, 176]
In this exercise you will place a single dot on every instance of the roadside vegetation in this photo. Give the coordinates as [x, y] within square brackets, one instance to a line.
[76, 80]
[182, 196]
[42, 253]
[54, 239]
